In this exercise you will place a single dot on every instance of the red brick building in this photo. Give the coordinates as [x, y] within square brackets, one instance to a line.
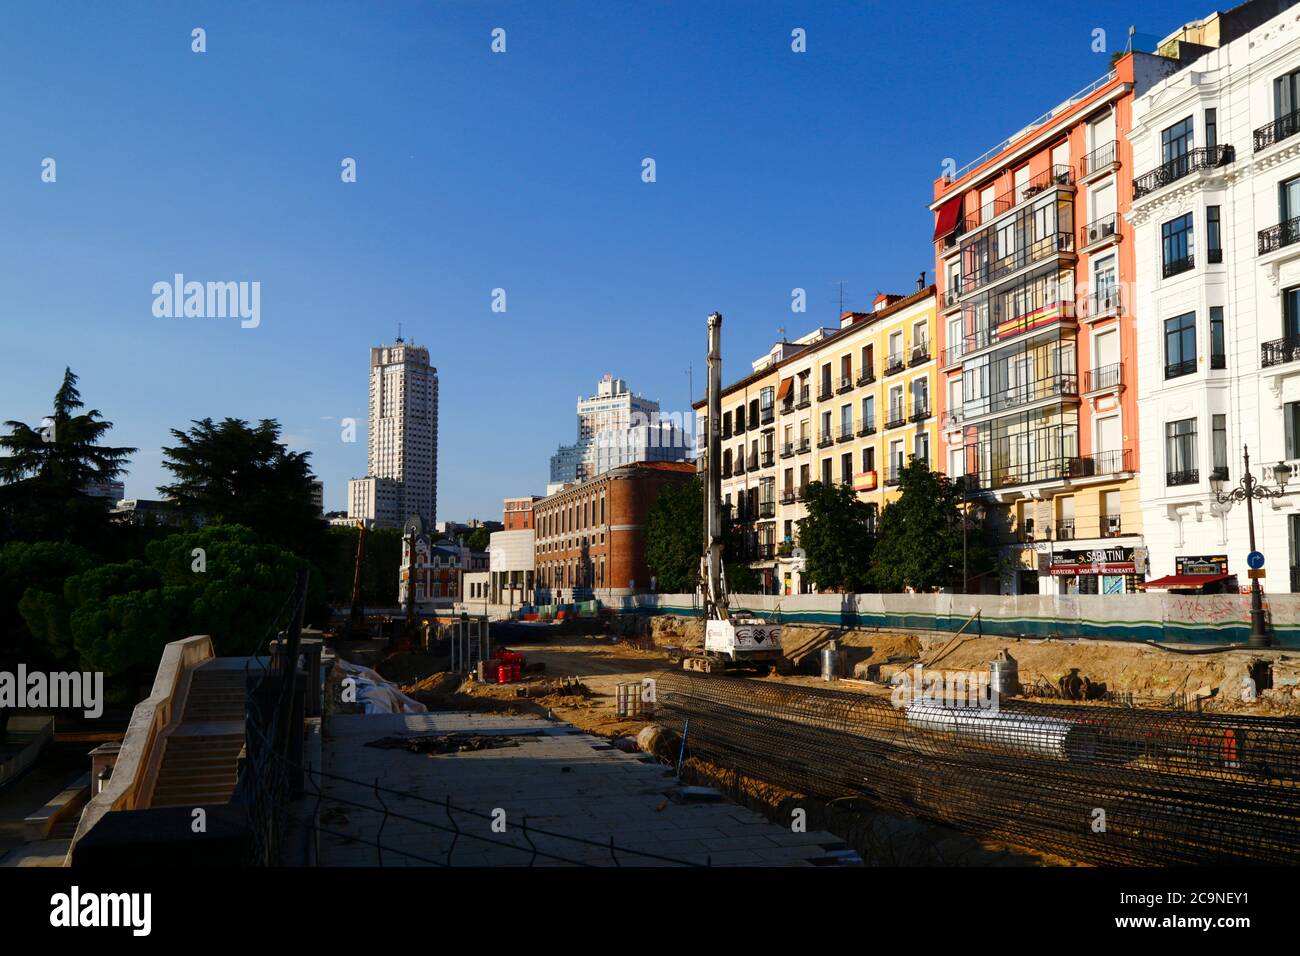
[590, 537]
[518, 513]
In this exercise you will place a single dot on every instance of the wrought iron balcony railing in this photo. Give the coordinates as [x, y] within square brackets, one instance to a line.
[1173, 267]
[1099, 230]
[1276, 237]
[1105, 377]
[1188, 477]
[1279, 352]
[1281, 128]
[1179, 369]
[1202, 157]
[1103, 157]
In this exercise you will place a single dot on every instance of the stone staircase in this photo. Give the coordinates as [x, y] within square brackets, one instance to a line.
[200, 757]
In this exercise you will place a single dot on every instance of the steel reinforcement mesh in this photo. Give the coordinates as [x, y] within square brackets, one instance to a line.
[1095, 784]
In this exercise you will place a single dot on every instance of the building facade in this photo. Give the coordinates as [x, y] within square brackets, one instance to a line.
[511, 555]
[517, 513]
[1038, 341]
[1216, 216]
[402, 440]
[848, 406]
[590, 537]
[617, 427]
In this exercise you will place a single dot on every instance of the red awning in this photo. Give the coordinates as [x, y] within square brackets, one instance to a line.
[1185, 580]
[949, 213]
[784, 390]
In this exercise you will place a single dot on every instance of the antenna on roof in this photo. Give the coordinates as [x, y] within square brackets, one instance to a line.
[399, 333]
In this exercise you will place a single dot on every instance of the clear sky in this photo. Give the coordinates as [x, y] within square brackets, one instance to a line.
[475, 170]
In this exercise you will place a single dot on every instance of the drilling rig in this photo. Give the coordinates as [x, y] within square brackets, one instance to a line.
[729, 641]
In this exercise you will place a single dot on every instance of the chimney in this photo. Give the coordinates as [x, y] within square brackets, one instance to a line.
[920, 282]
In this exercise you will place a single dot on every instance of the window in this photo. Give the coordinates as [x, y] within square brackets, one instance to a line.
[1175, 143]
[826, 380]
[1021, 182]
[869, 458]
[826, 472]
[1288, 200]
[1286, 95]
[1211, 128]
[1213, 241]
[1291, 422]
[1218, 349]
[922, 448]
[826, 426]
[1219, 445]
[846, 421]
[846, 468]
[1291, 314]
[1180, 453]
[1176, 239]
[1180, 345]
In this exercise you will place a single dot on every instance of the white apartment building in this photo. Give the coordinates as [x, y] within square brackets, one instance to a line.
[616, 428]
[1216, 214]
[402, 441]
[511, 563]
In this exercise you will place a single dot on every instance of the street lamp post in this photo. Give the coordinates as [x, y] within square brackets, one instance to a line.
[1249, 491]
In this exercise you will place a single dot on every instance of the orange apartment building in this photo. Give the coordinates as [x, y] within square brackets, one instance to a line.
[517, 513]
[1037, 399]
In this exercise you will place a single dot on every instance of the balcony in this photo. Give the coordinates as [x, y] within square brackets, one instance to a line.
[1104, 158]
[1102, 304]
[805, 398]
[894, 365]
[866, 378]
[1202, 157]
[825, 393]
[787, 450]
[788, 496]
[764, 552]
[805, 444]
[1173, 478]
[893, 477]
[738, 468]
[1058, 176]
[1100, 232]
[787, 406]
[1276, 237]
[868, 427]
[825, 440]
[1173, 267]
[1279, 352]
[845, 385]
[768, 459]
[1281, 128]
[920, 412]
[920, 353]
[767, 415]
[1059, 385]
[803, 492]
[897, 417]
[1065, 529]
[1113, 462]
[740, 426]
[952, 355]
[726, 471]
[952, 295]
[767, 509]
[1179, 369]
[845, 433]
[1107, 378]
[1050, 246]
[1111, 526]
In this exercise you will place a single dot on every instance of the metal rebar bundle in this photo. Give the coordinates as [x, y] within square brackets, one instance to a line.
[1096, 784]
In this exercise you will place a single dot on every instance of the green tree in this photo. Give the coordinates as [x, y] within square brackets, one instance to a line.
[220, 580]
[40, 564]
[836, 538]
[45, 470]
[674, 537]
[234, 473]
[380, 566]
[479, 539]
[920, 543]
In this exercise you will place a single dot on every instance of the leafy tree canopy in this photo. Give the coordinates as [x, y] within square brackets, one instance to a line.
[44, 471]
[233, 473]
[675, 536]
[836, 538]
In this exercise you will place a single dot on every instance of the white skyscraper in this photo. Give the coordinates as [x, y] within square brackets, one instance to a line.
[616, 427]
[402, 442]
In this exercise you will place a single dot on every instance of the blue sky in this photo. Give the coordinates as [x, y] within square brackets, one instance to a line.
[476, 171]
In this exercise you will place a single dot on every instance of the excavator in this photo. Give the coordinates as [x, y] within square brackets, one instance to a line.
[730, 641]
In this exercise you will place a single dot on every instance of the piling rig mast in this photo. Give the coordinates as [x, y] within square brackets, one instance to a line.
[729, 640]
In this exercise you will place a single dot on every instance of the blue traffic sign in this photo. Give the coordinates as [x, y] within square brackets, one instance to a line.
[1255, 560]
